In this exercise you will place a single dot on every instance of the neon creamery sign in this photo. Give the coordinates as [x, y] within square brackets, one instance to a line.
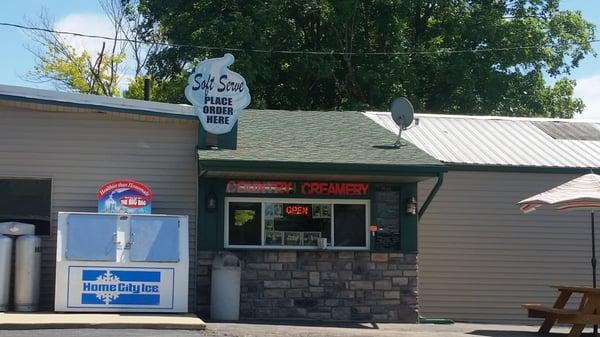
[217, 93]
[314, 188]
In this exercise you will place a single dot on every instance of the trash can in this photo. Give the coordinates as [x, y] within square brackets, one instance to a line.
[225, 288]
[5, 260]
[28, 258]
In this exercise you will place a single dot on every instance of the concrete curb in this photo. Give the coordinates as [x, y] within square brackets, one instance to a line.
[34, 321]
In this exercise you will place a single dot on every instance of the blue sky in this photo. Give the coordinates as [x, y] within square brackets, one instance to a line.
[86, 16]
[16, 60]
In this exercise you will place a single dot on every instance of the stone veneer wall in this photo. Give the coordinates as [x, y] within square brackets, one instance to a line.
[321, 285]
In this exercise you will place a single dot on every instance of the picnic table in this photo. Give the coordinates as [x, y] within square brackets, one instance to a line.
[588, 312]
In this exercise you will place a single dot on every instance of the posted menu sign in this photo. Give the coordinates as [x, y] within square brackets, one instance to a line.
[218, 94]
[387, 217]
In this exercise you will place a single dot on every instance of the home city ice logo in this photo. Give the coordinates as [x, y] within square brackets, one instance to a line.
[120, 287]
[106, 287]
[218, 94]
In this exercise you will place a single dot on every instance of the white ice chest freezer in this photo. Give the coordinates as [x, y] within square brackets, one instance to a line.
[121, 263]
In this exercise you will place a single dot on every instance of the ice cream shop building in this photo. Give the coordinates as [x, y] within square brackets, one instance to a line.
[319, 207]
[137, 202]
[134, 201]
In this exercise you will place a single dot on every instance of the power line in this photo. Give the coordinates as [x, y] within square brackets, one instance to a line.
[269, 51]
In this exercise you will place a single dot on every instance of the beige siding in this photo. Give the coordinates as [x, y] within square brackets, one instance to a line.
[80, 150]
[480, 257]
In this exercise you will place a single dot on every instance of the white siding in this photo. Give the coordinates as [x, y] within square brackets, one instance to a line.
[480, 258]
[80, 150]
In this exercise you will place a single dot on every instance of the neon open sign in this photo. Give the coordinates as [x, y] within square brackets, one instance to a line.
[297, 210]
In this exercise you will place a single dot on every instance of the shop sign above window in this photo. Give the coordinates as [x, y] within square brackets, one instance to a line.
[260, 187]
[323, 188]
[308, 188]
[218, 94]
[124, 196]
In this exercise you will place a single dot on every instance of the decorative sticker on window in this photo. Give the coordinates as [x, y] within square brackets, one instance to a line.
[243, 216]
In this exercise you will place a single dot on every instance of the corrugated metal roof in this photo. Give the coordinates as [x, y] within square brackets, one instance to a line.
[506, 141]
[94, 101]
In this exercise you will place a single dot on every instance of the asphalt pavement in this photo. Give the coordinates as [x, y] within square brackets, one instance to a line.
[305, 330]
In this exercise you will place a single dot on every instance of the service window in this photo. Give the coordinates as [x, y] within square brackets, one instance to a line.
[296, 223]
[26, 200]
[154, 239]
[91, 238]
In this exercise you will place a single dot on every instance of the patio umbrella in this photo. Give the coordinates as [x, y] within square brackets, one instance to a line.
[579, 193]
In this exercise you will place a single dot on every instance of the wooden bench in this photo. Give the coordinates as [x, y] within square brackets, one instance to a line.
[588, 312]
[569, 316]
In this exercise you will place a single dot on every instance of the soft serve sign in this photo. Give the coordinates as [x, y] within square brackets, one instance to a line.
[217, 93]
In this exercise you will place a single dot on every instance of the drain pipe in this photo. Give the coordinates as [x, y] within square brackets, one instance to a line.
[432, 194]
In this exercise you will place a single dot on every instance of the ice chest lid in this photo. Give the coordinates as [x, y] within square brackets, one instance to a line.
[16, 228]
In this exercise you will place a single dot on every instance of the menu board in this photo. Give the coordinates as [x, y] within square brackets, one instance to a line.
[387, 217]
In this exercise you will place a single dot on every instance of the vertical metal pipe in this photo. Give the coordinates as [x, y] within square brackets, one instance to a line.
[146, 89]
[6, 244]
[593, 250]
[594, 262]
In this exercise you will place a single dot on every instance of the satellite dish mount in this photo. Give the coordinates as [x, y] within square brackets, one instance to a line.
[403, 115]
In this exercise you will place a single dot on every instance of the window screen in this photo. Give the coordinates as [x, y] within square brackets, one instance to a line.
[349, 225]
[28, 201]
[91, 238]
[245, 221]
[154, 239]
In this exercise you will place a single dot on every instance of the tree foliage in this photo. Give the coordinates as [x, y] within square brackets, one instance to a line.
[436, 78]
[89, 72]
[160, 90]
[79, 72]
[57, 61]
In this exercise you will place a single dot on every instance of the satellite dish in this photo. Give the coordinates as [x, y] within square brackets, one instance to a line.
[403, 115]
[402, 112]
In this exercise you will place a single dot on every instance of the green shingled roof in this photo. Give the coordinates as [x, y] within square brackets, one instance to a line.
[316, 137]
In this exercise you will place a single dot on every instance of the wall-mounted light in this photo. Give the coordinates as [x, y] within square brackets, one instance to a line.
[211, 201]
[411, 206]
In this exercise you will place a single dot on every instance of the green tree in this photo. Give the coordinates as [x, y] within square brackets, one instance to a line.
[425, 36]
[79, 72]
[160, 90]
[98, 73]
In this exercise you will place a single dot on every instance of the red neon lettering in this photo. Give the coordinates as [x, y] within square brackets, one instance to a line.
[317, 188]
[262, 187]
[231, 187]
[296, 210]
[303, 188]
[307, 188]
